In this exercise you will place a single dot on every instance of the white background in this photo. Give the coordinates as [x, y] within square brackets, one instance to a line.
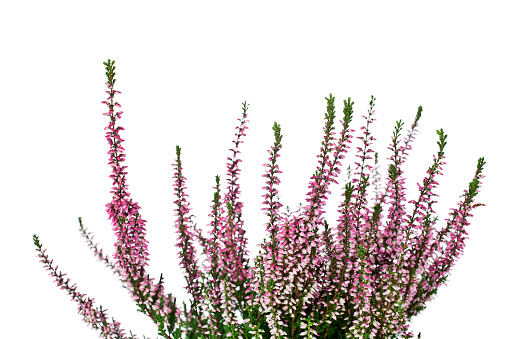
[184, 69]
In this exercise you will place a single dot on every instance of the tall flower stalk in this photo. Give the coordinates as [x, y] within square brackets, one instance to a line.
[356, 280]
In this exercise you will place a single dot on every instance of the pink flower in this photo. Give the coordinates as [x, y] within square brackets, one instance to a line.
[356, 280]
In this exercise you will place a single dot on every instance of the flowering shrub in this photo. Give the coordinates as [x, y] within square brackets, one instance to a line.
[355, 280]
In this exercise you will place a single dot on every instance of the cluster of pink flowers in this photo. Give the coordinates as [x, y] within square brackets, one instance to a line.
[368, 282]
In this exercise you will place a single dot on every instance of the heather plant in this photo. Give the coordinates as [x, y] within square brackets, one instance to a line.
[356, 280]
